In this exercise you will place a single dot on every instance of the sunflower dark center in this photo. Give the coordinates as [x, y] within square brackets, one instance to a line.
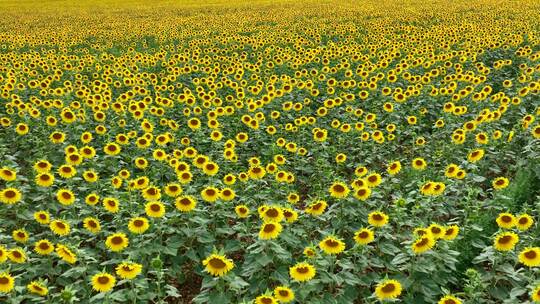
[103, 280]
[217, 263]
[390, 287]
[531, 254]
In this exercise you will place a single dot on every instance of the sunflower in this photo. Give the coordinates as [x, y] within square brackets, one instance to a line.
[10, 196]
[530, 256]
[44, 179]
[423, 244]
[256, 172]
[364, 236]
[17, 255]
[59, 227]
[117, 242]
[138, 225]
[111, 204]
[112, 149]
[185, 203]
[42, 166]
[373, 180]
[103, 282]
[90, 176]
[437, 231]
[92, 224]
[388, 289]
[419, 164]
[66, 254]
[128, 270]
[290, 215]
[7, 282]
[377, 219]
[393, 168]
[339, 190]
[42, 217]
[316, 208]
[210, 194]
[155, 209]
[92, 199]
[505, 241]
[265, 299]
[210, 168]
[284, 294]
[500, 183]
[37, 288]
[227, 194]
[151, 193]
[270, 230]
[20, 236]
[506, 220]
[43, 247]
[475, 155]
[451, 232]
[524, 222]
[217, 265]
[65, 197]
[535, 294]
[7, 174]
[67, 171]
[332, 245]
[173, 189]
[3, 254]
[448, 299]
[362, 193]
[302, 272]
[271, 214]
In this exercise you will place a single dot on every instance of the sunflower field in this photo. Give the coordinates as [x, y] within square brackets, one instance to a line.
[270, 151]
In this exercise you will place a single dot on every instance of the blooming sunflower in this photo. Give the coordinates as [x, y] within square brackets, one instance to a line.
[217, 265]
[332, 245]
[362, 193]
[117, 241]
[155, 209]
[388, 289]
[272, 214]
[138, 225]
[284, 294]
[339, 190]
[302, 272]
[316, 208]
[449, 299]
[65, 197]
[128, 270]
[44, 179]
[92, 224]
[42, 217]
[270, 230]
[43, 247]
[10, 196]
[265, 299]
[210, 194]
[242, 211]
[185, 203]
[377, 219]
[7, 174]
[66, 254]
[17, 255]
[419, 164]
[103, 282]
[506, 220]
[536, 294]
[364, 236]
[524, 222]
[530, 256]
[500, 183]
[7, 282]
[451, 232]
[423, 244]
[394, 168]
[37, 288]
[59, 227]
[505, 241]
